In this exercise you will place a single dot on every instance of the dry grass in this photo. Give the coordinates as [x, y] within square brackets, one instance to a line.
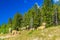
[52, 33]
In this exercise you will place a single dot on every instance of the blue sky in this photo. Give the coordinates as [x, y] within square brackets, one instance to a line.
[55, 1]
[9, 7]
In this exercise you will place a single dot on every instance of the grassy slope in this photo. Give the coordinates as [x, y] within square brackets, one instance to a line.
[52, 33]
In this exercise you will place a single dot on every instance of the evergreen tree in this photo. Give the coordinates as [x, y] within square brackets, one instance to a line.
[30, 18]
[17, 21]
[56, 14]
[37, 10]
[4, 28]
[59, 15]
[10, 22]
[47, 9]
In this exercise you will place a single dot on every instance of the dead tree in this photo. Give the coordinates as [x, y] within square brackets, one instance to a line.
[55, 17]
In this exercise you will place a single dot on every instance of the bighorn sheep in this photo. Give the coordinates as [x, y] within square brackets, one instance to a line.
[14, 32]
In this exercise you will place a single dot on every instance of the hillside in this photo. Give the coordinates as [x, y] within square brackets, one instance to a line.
[52, 33]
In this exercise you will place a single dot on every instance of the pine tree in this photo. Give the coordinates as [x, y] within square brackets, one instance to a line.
[30, 18]
[47, 9]
[59, 15]
[38, 10]
[17, 21]
[10, 22]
